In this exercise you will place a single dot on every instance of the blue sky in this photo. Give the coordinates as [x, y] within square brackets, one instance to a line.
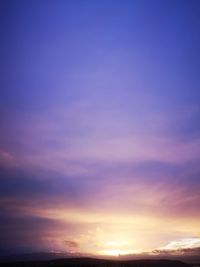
[100, 110]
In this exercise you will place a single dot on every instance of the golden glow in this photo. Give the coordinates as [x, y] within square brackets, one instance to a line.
[117, 248]
[116, 243]
[116, 252]
[114, 234]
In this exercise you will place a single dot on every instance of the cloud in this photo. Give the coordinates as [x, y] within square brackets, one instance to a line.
[40, 186]
[5, 157]
[78, 174]
[47, 141]
[176, 252]
[184, 243]
[71, 244]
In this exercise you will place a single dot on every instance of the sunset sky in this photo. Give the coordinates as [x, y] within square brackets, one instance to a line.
[100, 126]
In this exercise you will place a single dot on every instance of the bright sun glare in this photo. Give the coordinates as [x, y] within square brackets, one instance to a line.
[114, 248]
[116, 252]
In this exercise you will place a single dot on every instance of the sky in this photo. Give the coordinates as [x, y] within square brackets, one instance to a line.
[100, 129]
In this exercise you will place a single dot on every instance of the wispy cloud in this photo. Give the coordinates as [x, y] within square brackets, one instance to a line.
[183, 244]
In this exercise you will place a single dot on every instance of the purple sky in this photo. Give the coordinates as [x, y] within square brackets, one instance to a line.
[100, 129]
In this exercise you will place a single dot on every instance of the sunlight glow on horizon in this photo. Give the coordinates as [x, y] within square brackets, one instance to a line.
[116, 252]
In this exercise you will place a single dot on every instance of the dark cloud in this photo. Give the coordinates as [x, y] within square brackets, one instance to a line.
[22, 231]
[25, 233]
[40, 186]
[182, 251]
[71, 244]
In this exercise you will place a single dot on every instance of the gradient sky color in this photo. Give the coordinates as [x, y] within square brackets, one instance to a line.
[100, 129]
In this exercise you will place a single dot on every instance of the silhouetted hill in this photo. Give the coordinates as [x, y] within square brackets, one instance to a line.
[88, 262]
[37, 256]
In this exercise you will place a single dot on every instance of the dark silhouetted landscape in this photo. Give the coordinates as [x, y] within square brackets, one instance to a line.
[89, 262]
